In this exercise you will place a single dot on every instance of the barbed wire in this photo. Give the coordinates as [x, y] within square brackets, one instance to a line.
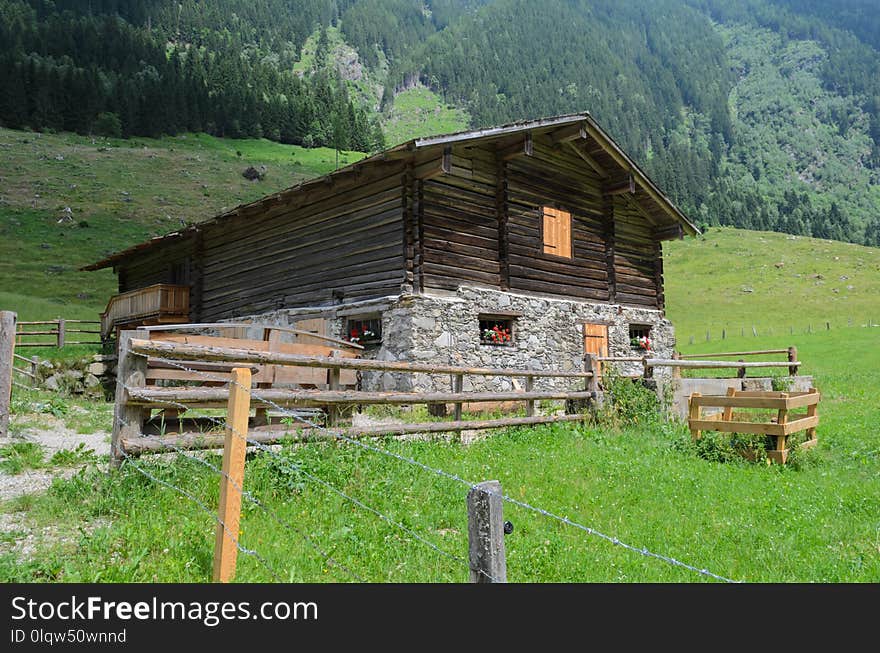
[233, 537]
[591, 531]
[644, 551]
[253, 499]
[262, 447]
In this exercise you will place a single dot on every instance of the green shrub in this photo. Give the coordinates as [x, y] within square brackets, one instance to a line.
[628, 402]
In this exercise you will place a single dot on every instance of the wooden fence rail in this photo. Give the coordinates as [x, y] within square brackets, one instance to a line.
[680, 362]
[781, 428]
[60, 332]
[320, 383]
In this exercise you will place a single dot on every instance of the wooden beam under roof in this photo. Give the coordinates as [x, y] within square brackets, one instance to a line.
[626, 188]
[638, 208]
[521, 147]
[589, 160]
[568, 134]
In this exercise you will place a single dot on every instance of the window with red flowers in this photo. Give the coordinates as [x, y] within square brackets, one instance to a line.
[364, 330]
[496, 330]
[640, 337]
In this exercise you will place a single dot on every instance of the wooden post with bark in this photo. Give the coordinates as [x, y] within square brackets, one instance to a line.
[7, 351]
[530, 405]
[486, 533]
[128, 419]
[792, 357]
[232, 480]
[61, 333]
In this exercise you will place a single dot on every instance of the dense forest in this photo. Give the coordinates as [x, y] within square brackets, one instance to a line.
[762, 114]
[163, 71]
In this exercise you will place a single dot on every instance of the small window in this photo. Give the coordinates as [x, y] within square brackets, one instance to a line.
[640, 337]
[364, 330]
[497, 330]
[557, 232]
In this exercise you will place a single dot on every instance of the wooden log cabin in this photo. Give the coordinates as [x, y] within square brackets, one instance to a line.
[525, 244]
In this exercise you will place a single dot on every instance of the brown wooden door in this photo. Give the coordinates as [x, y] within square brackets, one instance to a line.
[596, 340]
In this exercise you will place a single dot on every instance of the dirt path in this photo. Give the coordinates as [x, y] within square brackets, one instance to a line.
[19, 534]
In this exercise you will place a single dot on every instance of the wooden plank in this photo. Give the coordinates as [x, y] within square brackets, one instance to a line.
[727, 415]
[668, 362]
[739, 401]
[232, 481]
[161, 397]
[812, 411]
[804, 423]
[695, 412]
[199, 352]
[761, 352]
[277, 433]
[754, 427]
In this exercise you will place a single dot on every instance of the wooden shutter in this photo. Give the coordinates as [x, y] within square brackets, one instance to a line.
[557, 232]
[596, 340]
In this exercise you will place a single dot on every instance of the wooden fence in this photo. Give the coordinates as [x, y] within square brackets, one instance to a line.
[678, 362]
[57, 333]
[781, 428]
[293, 376]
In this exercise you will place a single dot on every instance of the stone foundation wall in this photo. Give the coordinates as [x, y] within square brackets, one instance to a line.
[444, 329]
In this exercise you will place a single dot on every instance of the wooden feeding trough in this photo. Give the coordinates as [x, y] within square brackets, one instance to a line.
[782, 428]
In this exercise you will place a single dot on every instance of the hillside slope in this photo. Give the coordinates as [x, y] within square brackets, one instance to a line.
[119, 193]
[761, 114]
[733, 280]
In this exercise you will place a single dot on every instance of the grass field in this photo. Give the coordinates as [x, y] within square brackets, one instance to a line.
[120, 192]
[816, 520]
[734, 280]
[419, 112]
[813, 521]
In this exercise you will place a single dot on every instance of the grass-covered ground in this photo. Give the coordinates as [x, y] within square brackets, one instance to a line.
[419, 112]
[815, 520]
[732, 280]
[119, 192]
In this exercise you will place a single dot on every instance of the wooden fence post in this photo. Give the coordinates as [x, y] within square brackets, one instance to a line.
[530, 405]
[676, 371]
[232, 481]
[128, 421]
[741, 372]
[7, 349]
[486, 533]
[695, 412]
[333, 412]
[792, 358]
[457, 386]
[591, 364]
[61, 330]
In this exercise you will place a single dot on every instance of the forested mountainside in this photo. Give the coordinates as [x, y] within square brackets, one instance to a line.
[761, 114]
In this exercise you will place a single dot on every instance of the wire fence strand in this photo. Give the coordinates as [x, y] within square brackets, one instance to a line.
[337, 434]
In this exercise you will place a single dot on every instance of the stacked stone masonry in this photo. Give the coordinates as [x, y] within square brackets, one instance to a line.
[444, 329]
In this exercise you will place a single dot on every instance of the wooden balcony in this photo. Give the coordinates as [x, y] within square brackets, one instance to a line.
[159, 304]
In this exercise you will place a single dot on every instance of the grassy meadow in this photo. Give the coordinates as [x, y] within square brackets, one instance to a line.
[119, 192]
[636, 477]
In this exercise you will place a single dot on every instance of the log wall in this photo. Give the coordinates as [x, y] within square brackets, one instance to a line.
[471, 214]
